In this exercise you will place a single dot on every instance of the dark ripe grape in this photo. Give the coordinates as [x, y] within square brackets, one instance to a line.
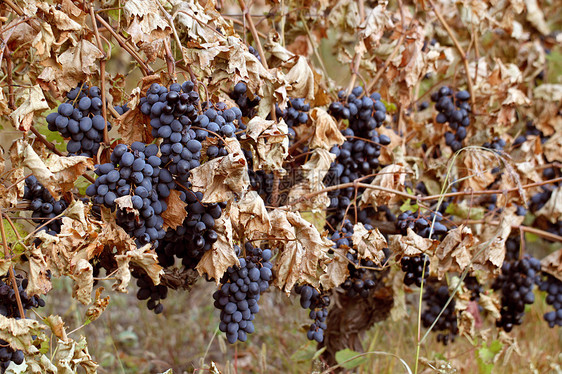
[66, 109]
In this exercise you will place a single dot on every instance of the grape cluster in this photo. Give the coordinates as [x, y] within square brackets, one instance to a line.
[9, 309]
[530, 130]
[152, 293]
[361, 280]
[172, 112]
[294, 115]
[475, 288]
[44, 205]
[135, 171]
[553, 288]
[421, 224]
[221, 120]
[318, 303]
[80, 119]
[358, 155]
[195, 236]
[413, 266]
[453, 109]
[238, 295]
[240, 96]
[435, 298]
[516, 283]
[497, 144]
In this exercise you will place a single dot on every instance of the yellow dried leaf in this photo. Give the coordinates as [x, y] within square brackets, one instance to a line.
[95, 310]
[390, 177]
[412, 244]
[83, 277]
[19, 332]
[456, 250]
[337, 270]
[56, 324]
[249, 216]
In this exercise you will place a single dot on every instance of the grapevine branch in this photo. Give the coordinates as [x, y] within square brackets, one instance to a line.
[254, 32]
[102, 74]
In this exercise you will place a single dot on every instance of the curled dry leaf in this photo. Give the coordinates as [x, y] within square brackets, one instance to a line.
[146, 23]
[144, 258]
[133, 126]
[271, 145]
[39, 280]
[56, 324]
[412, 244]
[478, 168]
[19, 332]
[249, 216]
[221, 178]
[552, 210]
[301, 249]
[301, 79]
[552, 264]
[126, 203]
[56, 173]
[337, 269]
[71, 354]
[490, 253]
[217, 260]
[176, 213]
[58, 18]
[313, 173]
[369, 243]
[74, 65]
[456, 251]
[83, 281]
[326, 133]
[33, 101]
[95, 310]
[391, 177]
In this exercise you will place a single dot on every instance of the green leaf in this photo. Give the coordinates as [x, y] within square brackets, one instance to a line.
[52, 136]
[485, 356]
[409, 206]
[463, 211]
[349, 359]
[307, 352]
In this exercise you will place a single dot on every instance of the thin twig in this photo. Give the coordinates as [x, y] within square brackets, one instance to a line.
[459, 49]
[253, 30]
[103, 60]
[147, 70]
[356, 63]
[394, 51]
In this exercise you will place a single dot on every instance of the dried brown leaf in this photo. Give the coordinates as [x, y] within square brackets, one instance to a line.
[221, 178]
[337, 270]
[412, 244]
[478, 167]
[83, 277]
[249, 216]
[390, 177]
[369, 243]
[326, 133]
[552, 264]
[34, 102]
[19, 332]
[301, 79]
[217, 260]
[456, 251]
[99, 306]
[176, 213]
[144, 258]
[71, 354]
[301, 249]
[552, 210]
[56, 324]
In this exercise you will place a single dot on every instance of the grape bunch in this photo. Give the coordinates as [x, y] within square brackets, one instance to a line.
[294, 115]
[475, 288]
[172, 113]
[413, 266]
[454, 109]
[516, 283]
[238, 295]
[195, 236]
[435, 298]
[44, 205]
[220, 120]
[152, 293]
[134, 171]
[317, 302]
[497, 144]
[240, 96]
[361, 280]
[421, 224]
[553, 288]
[9, 309]
[358, 155]
[530, 130]
[80, 119]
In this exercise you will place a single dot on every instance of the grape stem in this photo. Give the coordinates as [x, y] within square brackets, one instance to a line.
[253, 30]
[459, 49]
[102, 74]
